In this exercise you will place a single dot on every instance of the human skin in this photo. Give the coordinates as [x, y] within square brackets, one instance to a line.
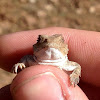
[84, 48]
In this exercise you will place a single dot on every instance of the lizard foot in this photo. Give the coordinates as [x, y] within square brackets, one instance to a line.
[18, 66]
[74, 79]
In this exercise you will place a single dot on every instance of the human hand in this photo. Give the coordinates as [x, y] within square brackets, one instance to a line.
[84, 48]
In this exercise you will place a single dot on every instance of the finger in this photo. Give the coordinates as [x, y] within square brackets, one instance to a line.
[92, 92]
[5, 93]
[44, 83]
[84, 48]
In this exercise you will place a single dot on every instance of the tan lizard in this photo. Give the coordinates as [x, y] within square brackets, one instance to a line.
[51, 50]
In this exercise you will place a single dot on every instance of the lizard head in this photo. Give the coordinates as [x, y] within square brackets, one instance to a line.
[46, 43]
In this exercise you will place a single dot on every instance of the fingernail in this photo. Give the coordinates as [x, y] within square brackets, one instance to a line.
[39, 87]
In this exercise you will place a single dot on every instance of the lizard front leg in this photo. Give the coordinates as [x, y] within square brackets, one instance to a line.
[74, 77]
[24, 62]
[76, 68]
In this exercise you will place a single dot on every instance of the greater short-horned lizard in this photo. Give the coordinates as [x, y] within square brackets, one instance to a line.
[51, 50]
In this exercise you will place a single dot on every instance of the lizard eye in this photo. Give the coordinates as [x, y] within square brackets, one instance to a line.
[39, 38]
[45, 40]
[42, 39]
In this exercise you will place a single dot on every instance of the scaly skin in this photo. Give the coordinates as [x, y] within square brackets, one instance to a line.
[51, 50]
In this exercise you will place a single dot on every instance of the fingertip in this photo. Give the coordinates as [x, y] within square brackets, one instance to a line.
[44, 82]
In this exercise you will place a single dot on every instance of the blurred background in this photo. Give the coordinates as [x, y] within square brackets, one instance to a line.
[21, 15]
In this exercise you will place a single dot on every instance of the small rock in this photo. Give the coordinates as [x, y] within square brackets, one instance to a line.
[92, 9]
[41, 13]
[49, 7]
[32, 1]
[79, 11]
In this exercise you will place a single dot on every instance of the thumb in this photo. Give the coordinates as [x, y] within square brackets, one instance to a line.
[44, 83]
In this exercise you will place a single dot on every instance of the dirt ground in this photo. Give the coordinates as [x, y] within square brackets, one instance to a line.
[21, 15]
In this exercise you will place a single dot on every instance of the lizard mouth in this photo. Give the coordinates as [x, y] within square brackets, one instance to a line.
[50, 56]
[59, 62]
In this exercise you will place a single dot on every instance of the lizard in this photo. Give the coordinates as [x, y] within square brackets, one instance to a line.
[51, 50]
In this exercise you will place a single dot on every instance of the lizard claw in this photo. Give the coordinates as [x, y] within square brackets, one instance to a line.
[18, 66]
[74, 79]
